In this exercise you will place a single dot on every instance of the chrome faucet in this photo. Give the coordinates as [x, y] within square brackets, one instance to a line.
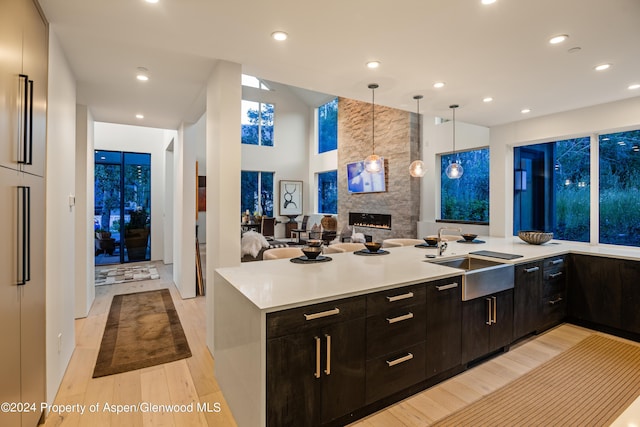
[442, 246]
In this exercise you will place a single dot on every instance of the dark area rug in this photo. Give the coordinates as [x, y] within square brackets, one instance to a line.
[143, 329]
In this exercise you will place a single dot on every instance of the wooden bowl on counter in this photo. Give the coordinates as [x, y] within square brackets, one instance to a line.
[312, 252]
[373, 246]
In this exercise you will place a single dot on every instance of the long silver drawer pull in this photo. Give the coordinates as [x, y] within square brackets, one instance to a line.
[557, 261]
[322, 314]
[489, 302]
[445, 287]
[400, 318]
[495, 304]
[399, 360]
[531, 270]
[554, 275]
[317, 372]
[554, 302]
[400, 297]
[328, 370]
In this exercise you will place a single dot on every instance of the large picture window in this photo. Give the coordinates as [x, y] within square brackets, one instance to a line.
[328, 126]
[256, 192]
[467, 198]
[257, 123]
[551, 188]
[328, 192]
[620, 188]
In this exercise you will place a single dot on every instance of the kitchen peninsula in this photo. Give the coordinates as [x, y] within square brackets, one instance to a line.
[260, 327]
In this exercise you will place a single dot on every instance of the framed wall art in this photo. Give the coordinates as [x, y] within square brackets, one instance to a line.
[290, 198]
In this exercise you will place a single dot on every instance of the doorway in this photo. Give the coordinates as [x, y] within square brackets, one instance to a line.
[122, 214]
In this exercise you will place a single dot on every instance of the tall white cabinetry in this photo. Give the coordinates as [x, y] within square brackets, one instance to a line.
[23, 104]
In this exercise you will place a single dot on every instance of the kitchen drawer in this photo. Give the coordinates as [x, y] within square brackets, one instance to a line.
[558, 273]
[554, 286]
[394, 372]
[300, 319]
[398, 328]
[554, 262]
[554, 308]
[382, 302]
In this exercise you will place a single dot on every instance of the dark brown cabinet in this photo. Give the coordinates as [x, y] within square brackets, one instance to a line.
[487, 325]
[527, 298]
[444, 325]
[554, 291]
[630, 312]
[315, 363]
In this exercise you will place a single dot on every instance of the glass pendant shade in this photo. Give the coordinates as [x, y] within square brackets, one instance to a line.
[454, 170]
[417, 169]
[373, 163]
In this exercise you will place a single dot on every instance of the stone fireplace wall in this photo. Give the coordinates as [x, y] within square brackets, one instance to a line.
[396, 139]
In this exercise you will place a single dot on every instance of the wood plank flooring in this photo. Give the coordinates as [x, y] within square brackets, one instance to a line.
[192, 380]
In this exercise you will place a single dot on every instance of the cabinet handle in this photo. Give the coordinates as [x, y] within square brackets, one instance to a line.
[531, 269]
[322, 314]
[317, 372]
[557, 261]
[399, 360]
[24, 244]
[400, 297]
[554, 302]
[400, 318]
[328, 370]
[445, 287]
[27, 121]
[489, 301]
[495, 304]
[554, 275]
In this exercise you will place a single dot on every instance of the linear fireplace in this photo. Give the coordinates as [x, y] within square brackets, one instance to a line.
[370, 220]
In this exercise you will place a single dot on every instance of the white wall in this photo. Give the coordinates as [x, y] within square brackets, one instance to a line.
[199, 134]
[84, 241]
[169, 188]
[60, 228]
[288, 157]
[109, 136]
[604, 118]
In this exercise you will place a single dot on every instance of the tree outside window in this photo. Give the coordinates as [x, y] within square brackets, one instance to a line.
[256, 192]
[328, 126]
[328, 192]
[257, 123]
[466, 198]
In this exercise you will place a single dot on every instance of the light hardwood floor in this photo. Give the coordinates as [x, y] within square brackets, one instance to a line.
[192, 380]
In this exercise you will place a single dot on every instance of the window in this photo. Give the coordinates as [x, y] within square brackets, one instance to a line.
[252, 81]
[551, 188]
[256, 192]
[620, 188]
[467, 198]
[328, 126]
[328, 192]
[257, 123]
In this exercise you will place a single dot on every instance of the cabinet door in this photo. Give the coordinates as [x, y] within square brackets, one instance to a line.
[595, 290]
[526, 298]
[9, 296]
[444, 325]
[475, 328]
[501, 331]
[630, 273]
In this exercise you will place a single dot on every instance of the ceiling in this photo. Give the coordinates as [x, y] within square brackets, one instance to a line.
[499, 50]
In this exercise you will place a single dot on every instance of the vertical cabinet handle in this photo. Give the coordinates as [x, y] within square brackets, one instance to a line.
[328, 370]
[489, 303]
[27, 121]
[24, 231]
[495, 304]
[317, 372]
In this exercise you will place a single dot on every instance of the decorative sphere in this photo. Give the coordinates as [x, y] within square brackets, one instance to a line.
[417, 169]
[373, 164]
[454, 170]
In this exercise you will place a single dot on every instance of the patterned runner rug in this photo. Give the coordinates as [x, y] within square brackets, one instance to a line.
[125, 273]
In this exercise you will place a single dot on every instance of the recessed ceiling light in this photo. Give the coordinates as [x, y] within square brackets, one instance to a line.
[487, 99]
[142, 74]
[139, 116]
[634, 86]
[279, 35]
[488, 1]
[558, 39]
[525, 110]
[373, 64]
[438, 85]
[602, 67]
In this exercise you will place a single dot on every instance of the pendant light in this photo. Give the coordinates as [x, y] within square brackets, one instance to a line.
[417, 168]
[373, 163]
[455, 169]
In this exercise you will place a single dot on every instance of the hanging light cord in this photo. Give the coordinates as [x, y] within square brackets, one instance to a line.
[373, 119]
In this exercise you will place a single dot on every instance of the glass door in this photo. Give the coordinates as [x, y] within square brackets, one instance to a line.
[122, 207]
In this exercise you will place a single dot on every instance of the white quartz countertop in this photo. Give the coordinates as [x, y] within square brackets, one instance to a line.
[280, 284]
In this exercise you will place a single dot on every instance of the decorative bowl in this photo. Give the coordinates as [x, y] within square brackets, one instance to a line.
[469, 237]
[431, 240]
[373, 246]
[535, 237]
[312, 252]
[314, 243]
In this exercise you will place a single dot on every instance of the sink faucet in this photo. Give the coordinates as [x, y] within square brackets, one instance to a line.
[442, 246]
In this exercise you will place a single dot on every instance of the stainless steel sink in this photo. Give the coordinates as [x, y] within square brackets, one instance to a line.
[481, 277]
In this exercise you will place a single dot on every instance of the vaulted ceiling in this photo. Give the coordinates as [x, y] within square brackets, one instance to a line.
[499, 50]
